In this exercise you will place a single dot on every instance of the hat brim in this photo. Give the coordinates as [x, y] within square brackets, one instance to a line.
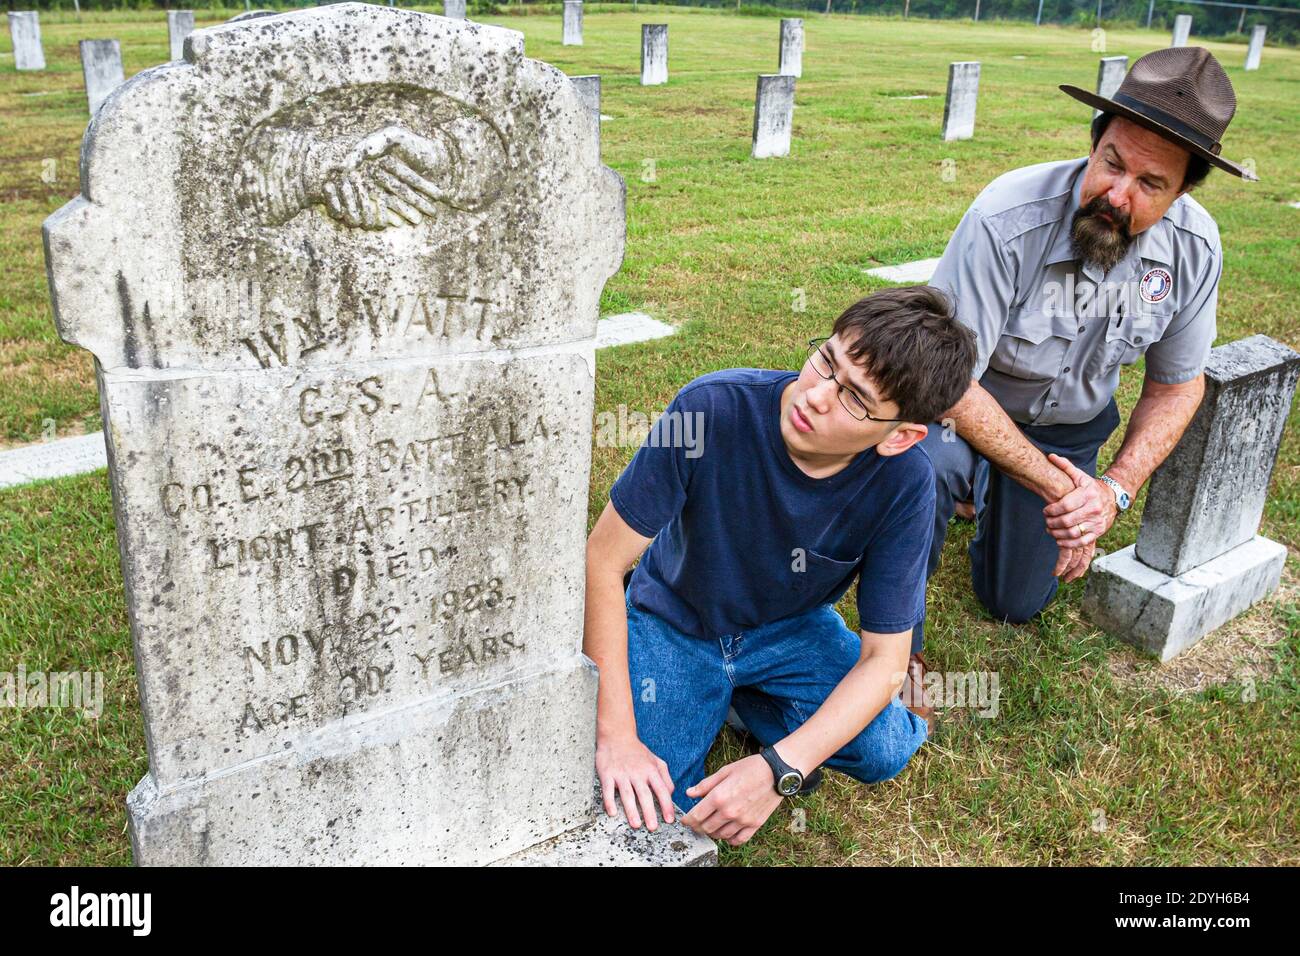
[1110, 106]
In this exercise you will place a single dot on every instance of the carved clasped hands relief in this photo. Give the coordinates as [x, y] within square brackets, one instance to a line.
[390, 177]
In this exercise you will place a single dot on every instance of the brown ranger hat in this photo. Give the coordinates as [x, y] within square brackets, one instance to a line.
[1181, 94]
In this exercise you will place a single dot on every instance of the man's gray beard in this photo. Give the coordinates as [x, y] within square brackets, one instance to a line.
[1096, 244]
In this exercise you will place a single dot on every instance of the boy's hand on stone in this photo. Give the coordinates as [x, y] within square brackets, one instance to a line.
[629, 768]
[738, 799]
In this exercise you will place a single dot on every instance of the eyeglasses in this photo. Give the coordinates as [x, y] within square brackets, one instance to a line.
[853, 404]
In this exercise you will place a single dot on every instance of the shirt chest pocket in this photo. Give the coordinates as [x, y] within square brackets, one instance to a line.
[821, 574]
[1033, 344]
[1126, 340]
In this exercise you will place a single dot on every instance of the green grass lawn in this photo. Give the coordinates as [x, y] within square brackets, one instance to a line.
[1096, 756]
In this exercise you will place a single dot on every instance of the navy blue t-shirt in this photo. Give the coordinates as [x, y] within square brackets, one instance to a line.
[743, 537]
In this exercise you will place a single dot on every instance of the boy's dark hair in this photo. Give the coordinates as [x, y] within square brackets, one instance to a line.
[1197, 166]
[910, 342]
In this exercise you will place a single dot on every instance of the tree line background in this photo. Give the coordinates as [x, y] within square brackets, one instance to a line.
[1217, 22]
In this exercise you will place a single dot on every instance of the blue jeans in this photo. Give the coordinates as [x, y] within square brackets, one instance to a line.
[776, 676]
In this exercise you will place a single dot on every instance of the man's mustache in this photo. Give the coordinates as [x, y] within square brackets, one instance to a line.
[1118, 219]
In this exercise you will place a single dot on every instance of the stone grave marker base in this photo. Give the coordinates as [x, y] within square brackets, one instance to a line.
[1165, 615]
[609, 841]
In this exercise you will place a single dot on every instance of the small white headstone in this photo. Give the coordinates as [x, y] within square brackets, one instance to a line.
[959, 106]
[455, 9]
[101, 67]
[1182, 29]
[1256, 48]
[791, 56]
[573, 22]
[25, 32]
[589, 90]
[1209, 494]
[1199, 559]
[1110, 74]
[654, 54]
[180, 24]
[773, 115]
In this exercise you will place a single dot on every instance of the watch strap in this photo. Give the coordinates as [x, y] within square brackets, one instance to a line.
[1122, 498]
[780, 769]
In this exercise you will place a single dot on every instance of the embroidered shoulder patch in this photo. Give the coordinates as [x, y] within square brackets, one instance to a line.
[1155, 285]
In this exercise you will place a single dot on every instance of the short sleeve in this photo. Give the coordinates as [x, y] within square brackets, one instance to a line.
[652, 489]
[891, 589]
[977, 272]
[1181, 353]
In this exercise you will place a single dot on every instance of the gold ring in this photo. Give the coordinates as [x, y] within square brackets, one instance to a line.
[1083, 528]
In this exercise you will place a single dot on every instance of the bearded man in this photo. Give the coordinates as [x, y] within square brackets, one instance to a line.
[1065, 272]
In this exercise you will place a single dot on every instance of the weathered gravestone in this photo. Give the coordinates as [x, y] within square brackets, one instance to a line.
[573, 22]
[773, 116]
[588, 88]
[342, 302]
[790, 60]
[654, 54]
[454, 9]
[25, 32]
[1110, 74]
[180, 24]
[1256, 48]
[959, 104]
[1182, 29]
[1198, 561]
[101, 68]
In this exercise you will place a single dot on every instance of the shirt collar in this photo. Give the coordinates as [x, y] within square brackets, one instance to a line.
[1154, 243]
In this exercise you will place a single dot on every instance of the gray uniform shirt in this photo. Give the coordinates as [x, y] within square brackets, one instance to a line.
[1054, 332]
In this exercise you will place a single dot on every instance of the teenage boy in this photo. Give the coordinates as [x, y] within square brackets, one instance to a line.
[794, 483]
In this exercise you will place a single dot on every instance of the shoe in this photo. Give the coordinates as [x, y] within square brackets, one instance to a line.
[965, 510]
[913, 691]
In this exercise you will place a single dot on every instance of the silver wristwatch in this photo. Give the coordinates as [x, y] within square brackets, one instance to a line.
[1122, 499]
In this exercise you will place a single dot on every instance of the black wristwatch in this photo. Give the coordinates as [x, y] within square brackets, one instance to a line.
[787, 780]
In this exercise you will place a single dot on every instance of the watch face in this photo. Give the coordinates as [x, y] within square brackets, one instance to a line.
[1122, 499]
[789, 784]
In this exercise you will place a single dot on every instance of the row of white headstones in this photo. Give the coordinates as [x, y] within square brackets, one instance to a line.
[101, 62]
